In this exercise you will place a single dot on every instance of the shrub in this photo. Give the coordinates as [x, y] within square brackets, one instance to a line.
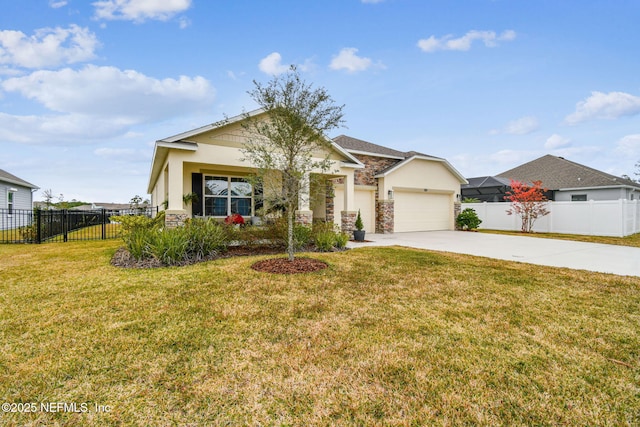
[194, 241]
[29, 233]
[129, 223]
[325, 240]
[170, 245]
[205, 238]
[301, 236]
[138, 243]
[326, 236]
[468, 219]
[471, 200]
[359, 225]
[341, 240]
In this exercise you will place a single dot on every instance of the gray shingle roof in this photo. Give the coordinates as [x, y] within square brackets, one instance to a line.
[349, 143]
[354, 144]
[557, 173]
[7, 177]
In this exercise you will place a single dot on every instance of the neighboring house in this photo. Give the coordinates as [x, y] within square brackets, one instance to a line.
[394, 191]
[486, 188]
[15, 194]
[112, 208]
[570, 181]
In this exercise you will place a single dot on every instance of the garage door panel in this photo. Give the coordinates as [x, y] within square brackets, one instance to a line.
[415, 211]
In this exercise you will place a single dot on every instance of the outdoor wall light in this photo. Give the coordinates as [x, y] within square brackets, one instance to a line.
[390, 194]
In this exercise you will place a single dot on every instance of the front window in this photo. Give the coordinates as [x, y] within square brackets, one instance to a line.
[10, 202]
[225, 195]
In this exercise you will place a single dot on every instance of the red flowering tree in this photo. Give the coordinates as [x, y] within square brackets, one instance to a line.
[528, 202]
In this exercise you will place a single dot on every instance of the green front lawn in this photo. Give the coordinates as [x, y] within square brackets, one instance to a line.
[384, 336]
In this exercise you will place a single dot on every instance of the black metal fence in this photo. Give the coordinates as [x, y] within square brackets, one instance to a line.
[42, 225]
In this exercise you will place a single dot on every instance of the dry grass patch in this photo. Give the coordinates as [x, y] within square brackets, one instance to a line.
[384, 336]
[633, 240]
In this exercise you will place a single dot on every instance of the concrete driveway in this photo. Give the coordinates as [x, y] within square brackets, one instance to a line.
[620, 260]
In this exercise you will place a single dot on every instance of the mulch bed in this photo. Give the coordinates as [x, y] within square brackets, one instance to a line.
[284, 266]
[122, 258]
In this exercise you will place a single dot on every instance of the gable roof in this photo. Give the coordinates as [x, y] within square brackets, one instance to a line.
[12, 179]
[181, 142]
[358, 146]
[558, 173]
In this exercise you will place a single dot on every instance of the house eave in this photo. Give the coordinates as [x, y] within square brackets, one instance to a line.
[357, 163]
[20, 183]
[368, 153]
[448, 165]
[603, 187]
[179, 145]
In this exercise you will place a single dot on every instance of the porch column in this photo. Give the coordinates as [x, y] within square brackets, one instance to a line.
[175, 215]
[304, 214]
[349, 214]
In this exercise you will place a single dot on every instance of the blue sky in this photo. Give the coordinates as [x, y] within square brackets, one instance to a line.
[87, 87]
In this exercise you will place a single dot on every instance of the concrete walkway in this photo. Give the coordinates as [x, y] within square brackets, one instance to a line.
[620, 260]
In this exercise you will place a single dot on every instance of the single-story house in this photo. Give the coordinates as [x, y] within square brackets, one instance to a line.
[393, 190]
[565, 181]
[15, 194]
[571, 181]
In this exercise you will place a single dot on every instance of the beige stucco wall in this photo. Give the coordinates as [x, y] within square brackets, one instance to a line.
[218, 152]
[423, 174]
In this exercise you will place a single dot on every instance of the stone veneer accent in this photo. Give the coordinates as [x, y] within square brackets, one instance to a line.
[329, 204]
[304, 218]
[372, 167]
[173, 220]
[384, 216]
[348, 221]
[457, 209]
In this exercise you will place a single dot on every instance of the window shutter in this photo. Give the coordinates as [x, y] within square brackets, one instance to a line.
[196, 187]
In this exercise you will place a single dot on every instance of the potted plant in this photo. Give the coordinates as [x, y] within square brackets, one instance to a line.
[358, 233]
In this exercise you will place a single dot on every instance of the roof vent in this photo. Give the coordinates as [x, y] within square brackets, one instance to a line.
[560, 157]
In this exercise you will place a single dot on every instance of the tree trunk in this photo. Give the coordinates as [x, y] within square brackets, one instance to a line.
[290, 216]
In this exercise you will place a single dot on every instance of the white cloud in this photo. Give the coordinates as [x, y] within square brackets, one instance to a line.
[99, 102]
[113, 92]
[348, 60]
[184, 22]
[65, 129]
[521, 126]
[629, 145]
[489, 38]
[57, 4]
[272, 64]
[139, 10]
[601, 105]
[47, 47]
[556, 141]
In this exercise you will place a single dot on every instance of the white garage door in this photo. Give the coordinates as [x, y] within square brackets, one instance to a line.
[414, 211]
[365, 200]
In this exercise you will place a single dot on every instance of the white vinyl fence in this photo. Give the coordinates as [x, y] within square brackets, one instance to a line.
[617, 218]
